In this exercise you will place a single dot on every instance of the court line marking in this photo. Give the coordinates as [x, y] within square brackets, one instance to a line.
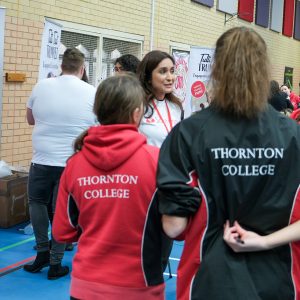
[20, 264]
[173, 258]
[17, 244]
[168, 274]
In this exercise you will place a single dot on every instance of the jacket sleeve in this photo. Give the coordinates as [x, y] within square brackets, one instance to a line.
[65, 224]
[177, 183]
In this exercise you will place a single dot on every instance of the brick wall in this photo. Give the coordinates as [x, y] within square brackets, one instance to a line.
[194, 24]
[23, 33]
[21, 55]
[179, 21]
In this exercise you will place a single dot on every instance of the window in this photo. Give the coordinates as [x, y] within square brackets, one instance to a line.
[100, 46]
[112, 49]
[87, 44]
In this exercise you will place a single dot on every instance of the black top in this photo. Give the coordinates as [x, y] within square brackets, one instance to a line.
[280, 102]
[214, 168]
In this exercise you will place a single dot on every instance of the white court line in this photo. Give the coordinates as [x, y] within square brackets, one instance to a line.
[173, 275]
[172, 258]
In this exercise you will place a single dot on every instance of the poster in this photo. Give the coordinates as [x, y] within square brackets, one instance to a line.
[2, 26]
[200, 63]
[181, 71]
[49, 60]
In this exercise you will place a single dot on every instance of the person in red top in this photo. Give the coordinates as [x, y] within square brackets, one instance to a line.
[295, 115]
[106, 202]
[292, 96]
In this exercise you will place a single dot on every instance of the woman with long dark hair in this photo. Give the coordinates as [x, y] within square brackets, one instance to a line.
[163, 109]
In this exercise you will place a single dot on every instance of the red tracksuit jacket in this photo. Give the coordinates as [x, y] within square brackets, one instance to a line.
[106, 202]
[295, 99]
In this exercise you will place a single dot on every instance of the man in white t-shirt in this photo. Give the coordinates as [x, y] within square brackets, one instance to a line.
[60, 109]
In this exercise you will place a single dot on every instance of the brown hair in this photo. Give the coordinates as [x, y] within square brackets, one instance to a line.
[240, 73]
[274, 88]
[116, 99]
[72, 60]
[144, 72]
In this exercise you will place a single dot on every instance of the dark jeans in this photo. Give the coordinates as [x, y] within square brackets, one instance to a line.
[43, 184]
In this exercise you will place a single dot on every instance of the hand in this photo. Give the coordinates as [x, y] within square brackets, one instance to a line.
[241, 240]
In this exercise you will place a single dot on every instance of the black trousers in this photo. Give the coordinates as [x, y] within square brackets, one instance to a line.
[43, 184]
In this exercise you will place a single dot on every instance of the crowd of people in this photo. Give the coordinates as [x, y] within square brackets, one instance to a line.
[125, 174]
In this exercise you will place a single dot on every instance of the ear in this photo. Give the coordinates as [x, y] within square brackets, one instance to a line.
[137, 116]
[81, 71]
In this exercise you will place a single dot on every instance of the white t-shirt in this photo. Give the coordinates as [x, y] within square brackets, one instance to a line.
[62, 108]
[157, 127]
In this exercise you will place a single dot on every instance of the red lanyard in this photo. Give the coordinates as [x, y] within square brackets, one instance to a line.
[161, 118]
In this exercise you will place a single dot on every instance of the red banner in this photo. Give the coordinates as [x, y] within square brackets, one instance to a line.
[246, 9]
[288, 17]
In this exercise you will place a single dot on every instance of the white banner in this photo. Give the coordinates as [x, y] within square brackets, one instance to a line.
[49, 60]
[198, 76]
[181, 71]
[228, 6]
[2, 26]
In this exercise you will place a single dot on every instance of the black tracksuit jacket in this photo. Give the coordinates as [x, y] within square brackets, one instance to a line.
[213, 168]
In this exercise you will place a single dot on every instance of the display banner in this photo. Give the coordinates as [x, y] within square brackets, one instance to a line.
[297, 21]
[181, 72]
[228, 6]
[209, 3]
[49, 59]
[288, 17]
[2, 26]
[246, 10]
[262, 13]
[276, 15]
[199, 70]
